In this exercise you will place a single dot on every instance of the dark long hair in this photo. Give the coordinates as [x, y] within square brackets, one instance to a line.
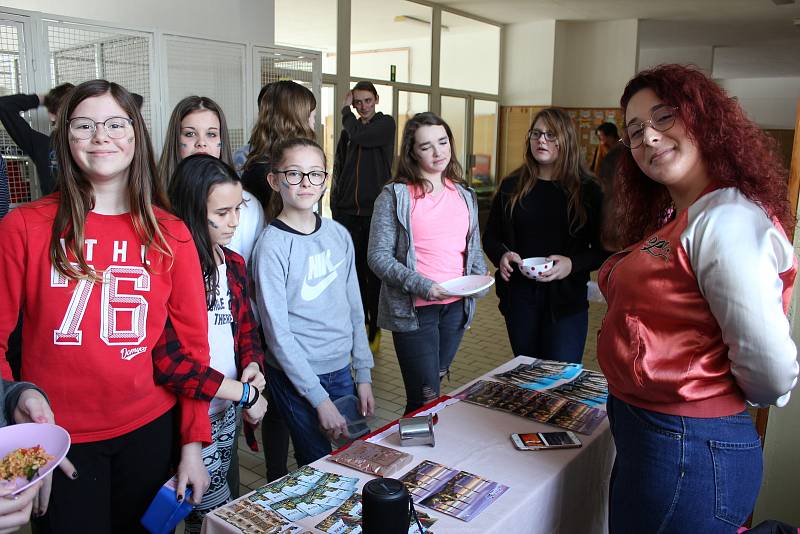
[188, 190]
[736, 152]
[408, 171]
[569, 170]
[76, 195]
[171, 155]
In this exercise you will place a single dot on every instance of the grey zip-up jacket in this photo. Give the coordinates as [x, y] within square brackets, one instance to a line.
[391, 257]
[9, 396]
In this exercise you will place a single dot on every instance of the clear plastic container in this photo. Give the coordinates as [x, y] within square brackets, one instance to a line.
[350, 408]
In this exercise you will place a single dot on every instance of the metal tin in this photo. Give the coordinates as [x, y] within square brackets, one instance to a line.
[417, 431]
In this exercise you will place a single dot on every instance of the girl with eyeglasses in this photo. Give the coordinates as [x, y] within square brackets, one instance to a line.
[696, 327]
[310, 306]
[550, 207]
[198, 126]
[95, 268]
[425, 231]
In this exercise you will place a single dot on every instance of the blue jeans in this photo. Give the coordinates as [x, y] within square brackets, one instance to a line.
[425, 354]
[533, 331]
[310, 443]
[681, 474]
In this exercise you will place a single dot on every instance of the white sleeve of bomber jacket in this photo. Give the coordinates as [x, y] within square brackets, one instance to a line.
[737, 255]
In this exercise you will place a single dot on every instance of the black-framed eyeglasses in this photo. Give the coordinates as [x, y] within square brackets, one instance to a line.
[662, 119]
[537, 134]
[85, 128]
[294, 177]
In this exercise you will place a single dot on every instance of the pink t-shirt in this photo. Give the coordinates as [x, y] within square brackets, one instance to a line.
[439, 226]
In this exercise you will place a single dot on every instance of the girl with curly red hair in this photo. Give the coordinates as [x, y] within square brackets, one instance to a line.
[696, 323]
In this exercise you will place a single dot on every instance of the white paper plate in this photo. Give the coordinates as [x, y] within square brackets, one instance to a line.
[465, 286]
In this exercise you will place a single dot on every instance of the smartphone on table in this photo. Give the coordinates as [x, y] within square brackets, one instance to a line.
[537, 441]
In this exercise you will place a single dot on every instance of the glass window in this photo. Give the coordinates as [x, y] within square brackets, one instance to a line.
[470, 58]
[408, 105]
[454, 112]
[309, 24]
[484, 148]
[390, 36]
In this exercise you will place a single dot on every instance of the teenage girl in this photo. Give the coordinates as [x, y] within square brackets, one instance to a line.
[310, 305]
[286, 110]
[94, 268]
[549, 207]
[198, 126]
[206, 194]
[425, 231]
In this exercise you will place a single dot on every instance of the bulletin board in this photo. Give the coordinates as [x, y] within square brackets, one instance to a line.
[587, 120]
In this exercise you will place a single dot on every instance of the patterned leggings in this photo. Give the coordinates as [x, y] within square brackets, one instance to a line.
[217, 458]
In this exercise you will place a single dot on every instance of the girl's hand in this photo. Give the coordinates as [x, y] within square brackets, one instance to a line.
[366, 398]
[331, 421]
[255, 414]
[562, 266]
[506, 264]
[32, 407]
[253, 375]
[437, 292]
[16, 512]
[192, 472]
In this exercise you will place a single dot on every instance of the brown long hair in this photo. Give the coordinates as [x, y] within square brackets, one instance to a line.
[737, 153]
[568, 170]
[76, 195]
[171, 156]
[408, 171]
[282, 114]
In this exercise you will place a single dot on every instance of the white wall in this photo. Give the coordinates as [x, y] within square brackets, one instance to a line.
[527, 63]
[593, 61]
[235, 20]
[701, 56]
[770, 102]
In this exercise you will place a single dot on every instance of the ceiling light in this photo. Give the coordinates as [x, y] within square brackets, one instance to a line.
[782, 2]
[418, 20]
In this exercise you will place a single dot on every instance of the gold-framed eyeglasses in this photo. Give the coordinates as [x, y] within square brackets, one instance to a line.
[85, 128]
[661, 120]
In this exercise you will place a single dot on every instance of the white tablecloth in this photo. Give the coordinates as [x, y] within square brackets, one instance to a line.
[549, 491]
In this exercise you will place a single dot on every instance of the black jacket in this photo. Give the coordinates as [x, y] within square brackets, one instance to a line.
[36, 145]
[363, 163]
[567, 296]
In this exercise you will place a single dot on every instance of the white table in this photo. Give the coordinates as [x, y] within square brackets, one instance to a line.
[549, 491]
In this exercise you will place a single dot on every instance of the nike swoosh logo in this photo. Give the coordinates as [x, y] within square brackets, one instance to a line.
[309, 292]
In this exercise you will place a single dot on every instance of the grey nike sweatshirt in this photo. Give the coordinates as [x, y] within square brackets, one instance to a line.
[307, 293]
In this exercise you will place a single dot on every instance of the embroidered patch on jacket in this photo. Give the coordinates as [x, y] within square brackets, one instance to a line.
[658, 248]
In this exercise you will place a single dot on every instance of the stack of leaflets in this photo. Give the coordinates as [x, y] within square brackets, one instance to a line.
[540, 374]
[452, 492]
[305, 492]
[590, 387]
[372, 458]
[252, 518]
[536, 405]
[347, 519]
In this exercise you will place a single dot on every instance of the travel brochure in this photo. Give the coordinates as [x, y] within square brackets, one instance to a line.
[536, 405]
[456, 493]
[347, 519]
[252, 518]
[568, 380]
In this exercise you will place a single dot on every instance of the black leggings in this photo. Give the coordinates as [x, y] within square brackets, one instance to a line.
[117, 480]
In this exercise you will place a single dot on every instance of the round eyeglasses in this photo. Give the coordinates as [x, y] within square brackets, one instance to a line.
[537, 134]
[85, 128]
[294, 177]
[661, 120]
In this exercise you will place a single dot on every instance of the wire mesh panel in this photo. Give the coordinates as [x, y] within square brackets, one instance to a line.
[212, 69]
[80, 52]
[273, 64]
[22, 181]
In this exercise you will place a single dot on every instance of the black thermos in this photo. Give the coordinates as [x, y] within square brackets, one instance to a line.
[385, 507]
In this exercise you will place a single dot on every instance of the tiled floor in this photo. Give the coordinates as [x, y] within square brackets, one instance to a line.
[485, 346]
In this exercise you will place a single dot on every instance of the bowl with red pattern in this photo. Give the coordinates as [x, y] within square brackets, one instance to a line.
[533, 268]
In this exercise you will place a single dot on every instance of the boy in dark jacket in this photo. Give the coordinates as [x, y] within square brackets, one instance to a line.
[363, 164]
